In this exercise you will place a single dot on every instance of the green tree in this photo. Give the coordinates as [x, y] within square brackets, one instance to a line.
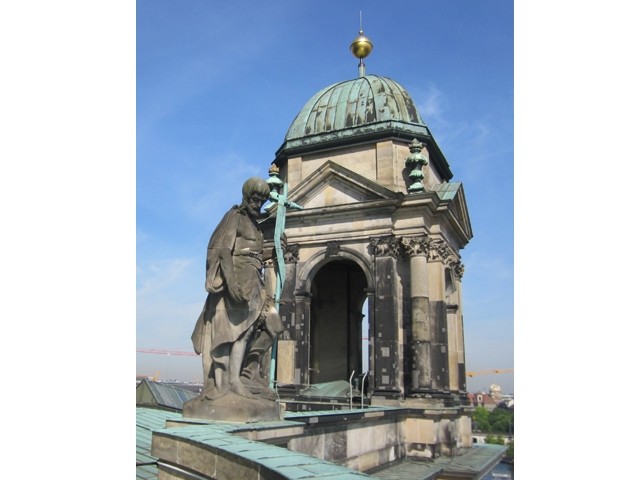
[501, 421]
[491, 439]
[481, 419]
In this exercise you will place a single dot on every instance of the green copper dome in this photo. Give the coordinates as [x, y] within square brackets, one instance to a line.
[367, 109]
[363, 101]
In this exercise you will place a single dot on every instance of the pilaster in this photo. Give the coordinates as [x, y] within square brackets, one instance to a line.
[386, 374]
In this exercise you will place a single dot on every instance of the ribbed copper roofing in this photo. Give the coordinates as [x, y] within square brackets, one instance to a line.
[365, 100]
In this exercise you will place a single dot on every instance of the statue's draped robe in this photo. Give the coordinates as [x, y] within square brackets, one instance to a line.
[222, 320]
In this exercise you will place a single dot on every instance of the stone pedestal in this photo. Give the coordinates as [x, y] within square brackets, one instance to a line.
[233, 408]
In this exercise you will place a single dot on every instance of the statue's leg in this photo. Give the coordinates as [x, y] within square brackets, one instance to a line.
[220, 360]
[254, 357]
[236, 359]
[207, 359]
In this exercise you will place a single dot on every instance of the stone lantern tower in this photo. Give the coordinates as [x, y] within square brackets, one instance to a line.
[375, 254]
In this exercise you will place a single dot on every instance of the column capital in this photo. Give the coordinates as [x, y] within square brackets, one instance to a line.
[458, 269]
[302, 295]
[439, 251]
[385, 246]
[413, 246]
[292, 253]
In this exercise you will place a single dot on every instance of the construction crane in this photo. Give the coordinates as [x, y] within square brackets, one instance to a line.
[166, 352]
[488, 372]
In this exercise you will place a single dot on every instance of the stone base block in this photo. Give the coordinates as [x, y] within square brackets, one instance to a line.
[233, 408]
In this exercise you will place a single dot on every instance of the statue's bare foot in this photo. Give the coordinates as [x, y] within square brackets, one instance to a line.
[212, 393]
[240, 389]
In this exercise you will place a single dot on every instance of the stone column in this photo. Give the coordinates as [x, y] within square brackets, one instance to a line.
[439, 254]
[452, 327]
[387, 374]
[458, 269]
[420, 343]
[371, 298]
[302, 328]
[288, 342]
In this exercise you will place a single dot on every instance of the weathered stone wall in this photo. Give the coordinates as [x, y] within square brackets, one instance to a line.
[321, 442]
[361, 446]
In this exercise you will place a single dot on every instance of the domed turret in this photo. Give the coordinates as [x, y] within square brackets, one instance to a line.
[368, 108]
[364, 101]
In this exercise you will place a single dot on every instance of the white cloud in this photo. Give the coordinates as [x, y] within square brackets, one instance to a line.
[466, 143]
[209, 195]
[432, 104]
[157, 276]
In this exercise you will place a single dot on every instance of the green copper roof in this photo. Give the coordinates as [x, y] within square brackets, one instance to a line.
[446, 191]
[365, 100]
[365, 109]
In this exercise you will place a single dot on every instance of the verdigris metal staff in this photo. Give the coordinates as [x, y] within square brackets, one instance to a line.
[278, 194]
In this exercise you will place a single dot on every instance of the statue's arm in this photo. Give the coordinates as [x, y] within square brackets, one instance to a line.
[220, 256]
[228, 274]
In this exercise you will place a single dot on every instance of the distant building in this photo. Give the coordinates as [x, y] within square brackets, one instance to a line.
[168, 397]
[496, 392]
[482, 399]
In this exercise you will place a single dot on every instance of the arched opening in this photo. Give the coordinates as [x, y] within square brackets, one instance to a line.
[337, 300]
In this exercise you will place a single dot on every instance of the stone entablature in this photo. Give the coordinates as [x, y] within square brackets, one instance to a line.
[383, 162]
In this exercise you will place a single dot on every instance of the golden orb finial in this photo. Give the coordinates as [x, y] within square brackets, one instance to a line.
[361, 46]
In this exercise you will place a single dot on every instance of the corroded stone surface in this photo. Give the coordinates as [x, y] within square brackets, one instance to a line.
[233, 408]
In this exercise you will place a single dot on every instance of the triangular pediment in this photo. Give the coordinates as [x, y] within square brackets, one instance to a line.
[453, 193]
[333, 185]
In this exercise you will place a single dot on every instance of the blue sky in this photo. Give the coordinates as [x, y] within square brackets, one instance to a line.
[219, 83]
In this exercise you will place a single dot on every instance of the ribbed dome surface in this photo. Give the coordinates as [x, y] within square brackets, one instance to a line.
[353, 103]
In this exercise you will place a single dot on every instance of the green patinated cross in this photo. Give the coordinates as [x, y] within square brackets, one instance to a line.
[279, 192]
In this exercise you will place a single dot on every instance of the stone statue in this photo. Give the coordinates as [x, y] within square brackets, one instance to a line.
[239, 321]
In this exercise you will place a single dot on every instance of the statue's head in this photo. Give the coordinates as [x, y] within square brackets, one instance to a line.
[255, 192]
